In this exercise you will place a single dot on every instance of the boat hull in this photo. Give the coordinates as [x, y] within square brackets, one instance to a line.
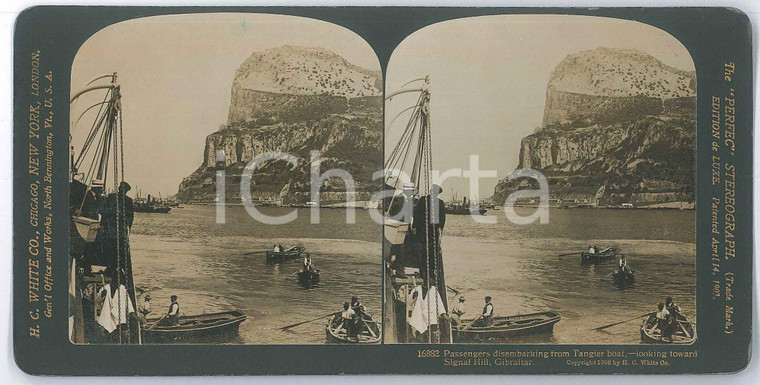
[601, 256]
[308, 278]
[624, 278]
[288, 255]
[195, 327]
[465, 211]
[336, 334]
[505, 327]
[152, 209]
[683, 333]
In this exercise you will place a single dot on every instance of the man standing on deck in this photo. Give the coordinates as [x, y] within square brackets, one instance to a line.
[428, 221]
[117, 211]
[488, 312]
[173, 313]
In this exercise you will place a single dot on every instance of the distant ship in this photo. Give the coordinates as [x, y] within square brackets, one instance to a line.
[463, 208]
[150, 205]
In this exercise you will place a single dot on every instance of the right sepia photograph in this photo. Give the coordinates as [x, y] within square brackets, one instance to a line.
[539, 183]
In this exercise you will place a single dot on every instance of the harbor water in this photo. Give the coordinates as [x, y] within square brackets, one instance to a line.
[186, 253]
[520, 267]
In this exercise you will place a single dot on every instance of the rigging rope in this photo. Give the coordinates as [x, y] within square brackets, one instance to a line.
[118, 234]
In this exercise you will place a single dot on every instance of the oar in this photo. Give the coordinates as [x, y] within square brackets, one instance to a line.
[256, 252]
[471, 323]
[369, 329]
[607, 275]
[157, 322]
[566, 254]
[305, 322]
[456, 292]
[622, 322]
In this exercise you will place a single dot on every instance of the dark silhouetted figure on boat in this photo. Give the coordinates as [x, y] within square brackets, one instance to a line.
[429, 220]
[358, 317]
[396, 268]
[118, 209]
[85, 202]
[172, 315]
[488, 312]
[623, 265]
[671, 306]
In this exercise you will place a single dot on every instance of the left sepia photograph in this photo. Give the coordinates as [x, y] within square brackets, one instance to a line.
[221, 183]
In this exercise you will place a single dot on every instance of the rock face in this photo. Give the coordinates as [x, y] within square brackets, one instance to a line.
[295, 100]
[619, 126]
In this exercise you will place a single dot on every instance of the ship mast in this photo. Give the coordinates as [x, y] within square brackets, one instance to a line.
[413, 156]
[101, 154]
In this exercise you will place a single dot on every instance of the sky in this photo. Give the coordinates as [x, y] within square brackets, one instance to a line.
[175, 74]
[488, 78]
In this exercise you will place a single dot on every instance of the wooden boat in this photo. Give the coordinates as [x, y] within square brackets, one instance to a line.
[606, 254]
[195, 326]
[282, 256]
[308, 278]
[337, 334]
[683, 334]
[507, 326]
[622, 278]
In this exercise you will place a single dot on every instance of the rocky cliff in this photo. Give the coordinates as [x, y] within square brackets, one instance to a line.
[295, 100]
[619, 126]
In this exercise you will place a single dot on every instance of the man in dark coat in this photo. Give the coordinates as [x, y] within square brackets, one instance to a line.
[107, 237]
[429, 220]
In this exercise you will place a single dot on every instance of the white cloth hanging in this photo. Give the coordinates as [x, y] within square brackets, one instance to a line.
[426, 310]
[72, 297]
[109, 317]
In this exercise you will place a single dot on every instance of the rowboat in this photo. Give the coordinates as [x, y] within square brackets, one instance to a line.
[308, 278]
[195, 326]
[606, 254]
[282, 256]
[623, 278]
[504, 327]
[683, 333]
[337, 334]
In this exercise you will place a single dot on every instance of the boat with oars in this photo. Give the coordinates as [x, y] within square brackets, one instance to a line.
[308, 278]
[283, 256]
[223, 325]
[588, 257]
[623, 277]
[683, 332]
[337, 332]
[504, 327]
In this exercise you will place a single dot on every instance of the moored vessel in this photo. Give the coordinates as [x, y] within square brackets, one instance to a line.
[195, 327]
[504, 327]
[337, 333]
[682, 334]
